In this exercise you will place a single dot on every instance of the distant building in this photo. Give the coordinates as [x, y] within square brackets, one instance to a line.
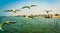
[51, 15]
[56, 16]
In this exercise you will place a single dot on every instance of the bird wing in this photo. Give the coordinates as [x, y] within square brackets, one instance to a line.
[17, 10]
[8, 11]
[26, 7]
[1, 29]
[33, 5]
[11, 10]
[12, 22]
[8, 23]
[47, 11]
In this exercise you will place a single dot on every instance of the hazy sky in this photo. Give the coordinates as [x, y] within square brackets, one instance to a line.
[41, 6]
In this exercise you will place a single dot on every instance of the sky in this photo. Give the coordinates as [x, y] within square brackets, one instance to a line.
[41, 6]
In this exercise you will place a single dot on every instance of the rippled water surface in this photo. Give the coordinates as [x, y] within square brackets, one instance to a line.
[35, 25]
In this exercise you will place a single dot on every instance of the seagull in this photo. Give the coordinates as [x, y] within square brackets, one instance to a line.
[29, 7]
[6, 23]
[48, 11]
[12, 11]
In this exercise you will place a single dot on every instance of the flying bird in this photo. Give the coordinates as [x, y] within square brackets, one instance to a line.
[12, 11]
[48, 11]
[29, 7]
[33, 5]
[6, 23]
[15, 11]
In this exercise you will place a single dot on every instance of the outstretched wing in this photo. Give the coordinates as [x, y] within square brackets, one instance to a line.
[11, 10]
[8, 23]
[33, 5]
[26, 7]
[17, 10]
[8, 11]
[1, 29]
[47, 11]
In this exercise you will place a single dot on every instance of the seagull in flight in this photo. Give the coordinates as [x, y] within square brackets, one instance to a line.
[6, 23]
[12, 11]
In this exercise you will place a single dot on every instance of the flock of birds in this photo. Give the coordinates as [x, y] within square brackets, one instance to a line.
[15, 11]
[29, 7]
[12, 22]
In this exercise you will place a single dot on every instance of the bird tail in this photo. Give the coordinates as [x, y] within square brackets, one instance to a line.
[1, 29]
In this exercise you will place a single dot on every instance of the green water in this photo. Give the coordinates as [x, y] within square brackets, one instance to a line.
[35, 25]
